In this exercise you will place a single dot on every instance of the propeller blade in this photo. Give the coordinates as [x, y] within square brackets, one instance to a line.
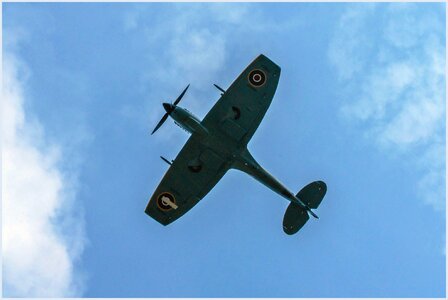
[180, 96]
[169, 108]
[165, 116]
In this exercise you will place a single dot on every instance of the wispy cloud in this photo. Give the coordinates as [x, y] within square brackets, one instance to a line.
[42, 233]
[192, 39]
[187, 50]
[193, 43]
[390, 61]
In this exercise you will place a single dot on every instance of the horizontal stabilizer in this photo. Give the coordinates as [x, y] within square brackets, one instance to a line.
[294, 219]
[313, 193]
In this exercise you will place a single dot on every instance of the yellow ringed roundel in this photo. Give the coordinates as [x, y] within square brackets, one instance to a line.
[166, 201]
[257, 78]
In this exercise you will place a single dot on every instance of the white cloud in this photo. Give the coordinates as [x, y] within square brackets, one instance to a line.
[189, 51]
[42, 236]
[350, 49]
[394, 77]
[198, 49]
[195, 41]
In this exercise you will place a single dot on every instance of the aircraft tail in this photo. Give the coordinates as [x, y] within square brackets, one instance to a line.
[294, 219]
[296, 216]
[313, 193]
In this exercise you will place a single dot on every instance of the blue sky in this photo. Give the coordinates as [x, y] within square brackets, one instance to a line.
[360, 105]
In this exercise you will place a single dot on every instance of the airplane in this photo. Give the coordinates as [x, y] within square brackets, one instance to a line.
[219, 143]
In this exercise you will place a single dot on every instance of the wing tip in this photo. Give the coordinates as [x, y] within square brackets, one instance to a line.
[261, 57]
[150, 211]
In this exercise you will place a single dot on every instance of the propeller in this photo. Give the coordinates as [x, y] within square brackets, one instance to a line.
[165, 116]
[169, 109]
[181, 95]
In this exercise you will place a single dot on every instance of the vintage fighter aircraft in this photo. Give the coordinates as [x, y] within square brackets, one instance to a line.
[219, 143]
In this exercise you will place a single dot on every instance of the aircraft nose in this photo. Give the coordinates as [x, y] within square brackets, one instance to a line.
[168, 107]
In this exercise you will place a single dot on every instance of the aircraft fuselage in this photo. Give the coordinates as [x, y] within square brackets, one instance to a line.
[239, 157]
[185, 119]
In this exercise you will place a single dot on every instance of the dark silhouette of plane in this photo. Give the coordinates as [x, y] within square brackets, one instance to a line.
[219, 142]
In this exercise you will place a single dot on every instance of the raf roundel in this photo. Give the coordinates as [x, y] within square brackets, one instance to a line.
[257, 78]
[166, 201]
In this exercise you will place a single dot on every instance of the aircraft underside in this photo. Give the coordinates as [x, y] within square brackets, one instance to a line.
[219, 142]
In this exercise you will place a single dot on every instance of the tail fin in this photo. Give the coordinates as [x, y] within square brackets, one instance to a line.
[296, 216]
[313, 193]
